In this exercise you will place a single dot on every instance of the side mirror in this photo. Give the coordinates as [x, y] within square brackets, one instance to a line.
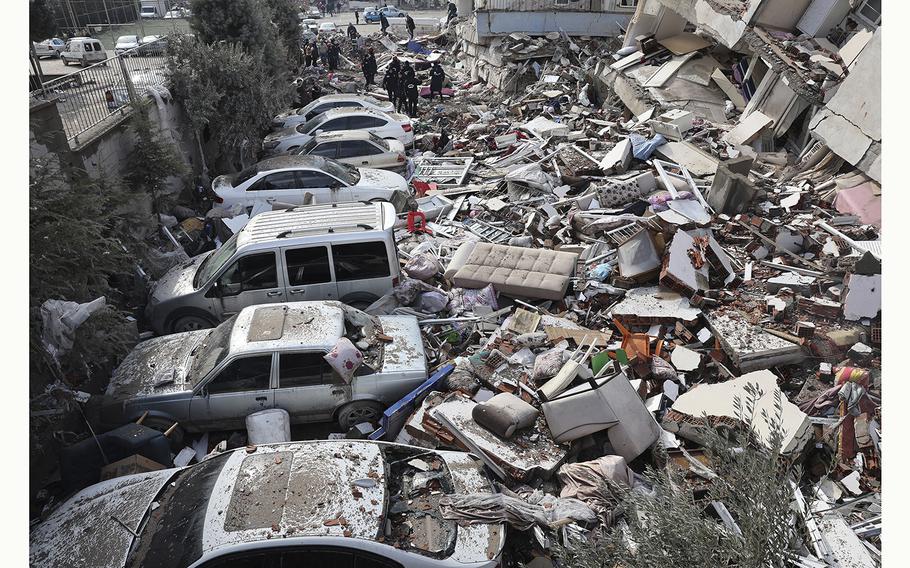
[335, 186]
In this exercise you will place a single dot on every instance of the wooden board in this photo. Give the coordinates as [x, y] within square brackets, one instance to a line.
[597, 338]
[667, 70]
[747, 129]
[524, 321]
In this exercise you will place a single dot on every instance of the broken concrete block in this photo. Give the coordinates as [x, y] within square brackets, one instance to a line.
[751, 347]
[651, 305]
[731, 192]
[863, 296]
[796, 282]
[716, 401]
[637, 257]
[504, 413]
[618, 158]
[546, 128]
[695, 262]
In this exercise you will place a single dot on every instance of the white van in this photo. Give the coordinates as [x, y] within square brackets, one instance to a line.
[83, 50]
[343, 251]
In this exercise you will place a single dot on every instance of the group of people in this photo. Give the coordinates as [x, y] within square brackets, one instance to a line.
[329, 56]
[400, 82]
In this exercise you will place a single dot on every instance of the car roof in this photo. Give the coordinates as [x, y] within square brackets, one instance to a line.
[271, 327]
[339, 135]
[284, 162]
[298, 489]
[311, 220]
[336, 112]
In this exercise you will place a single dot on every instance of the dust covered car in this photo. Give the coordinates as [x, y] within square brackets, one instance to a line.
[340, 504]
[268, 356]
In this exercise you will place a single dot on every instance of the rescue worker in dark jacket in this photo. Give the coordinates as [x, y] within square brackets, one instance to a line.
[437, 78]
[383, 23]
[410, 88]
[352, 32]
[314, 53]
[390, 82]
[369, 67]
[409, 24]
[333, 54]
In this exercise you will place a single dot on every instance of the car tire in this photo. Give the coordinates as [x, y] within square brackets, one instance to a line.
[190, 322]
[359, 411]
[162, 425]
[65, 62]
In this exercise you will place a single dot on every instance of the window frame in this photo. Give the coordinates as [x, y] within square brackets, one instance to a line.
[206, 385]
[242, 288]
[366, 147]
[327, 371]
[261, 181]
[287, 264]
[337, 256]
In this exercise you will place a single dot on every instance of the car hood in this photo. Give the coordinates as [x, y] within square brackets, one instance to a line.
[405, 352]
[370, 177]
[114, 510]
[157, 366]
[178, 281]
[281, 134]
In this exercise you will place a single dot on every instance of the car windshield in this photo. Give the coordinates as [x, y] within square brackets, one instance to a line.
[311, 125]
[379, 141]
[214, 261]
[347, 174]
[172, 536]
[211, 352]
[126, 39]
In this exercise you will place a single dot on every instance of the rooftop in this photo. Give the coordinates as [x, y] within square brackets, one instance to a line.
[315, 325]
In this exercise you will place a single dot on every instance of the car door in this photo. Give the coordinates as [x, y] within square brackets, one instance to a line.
[323, 187]
[276, 188]
[308, 273]
[308, 388]
[238, 388]
[250, 280]
[358, 153]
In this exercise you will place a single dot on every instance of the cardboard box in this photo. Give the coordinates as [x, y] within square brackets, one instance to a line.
[129, 466]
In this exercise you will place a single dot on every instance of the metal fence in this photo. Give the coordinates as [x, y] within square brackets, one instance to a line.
[100, 95]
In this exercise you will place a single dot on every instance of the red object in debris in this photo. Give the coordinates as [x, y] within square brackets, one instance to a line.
[422, 187]
[413, 227]
[407, 127]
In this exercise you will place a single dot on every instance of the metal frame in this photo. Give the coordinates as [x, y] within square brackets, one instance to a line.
[444, 172]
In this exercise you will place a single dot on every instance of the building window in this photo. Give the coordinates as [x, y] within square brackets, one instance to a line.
[871, 11]
[626, 3]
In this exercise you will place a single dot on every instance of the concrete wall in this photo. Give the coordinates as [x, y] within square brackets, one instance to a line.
[850, 124]
[721, 21]
[780, 14]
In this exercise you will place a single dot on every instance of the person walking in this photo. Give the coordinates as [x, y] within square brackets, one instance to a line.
[383, 24]
[332, 56]
[314, 53]
[352, 32]
[357, 16]
[402, 100]
[409, 24]
[437, 78]
[369, 67]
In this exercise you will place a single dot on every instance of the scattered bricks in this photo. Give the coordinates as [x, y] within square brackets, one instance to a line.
[805, 329]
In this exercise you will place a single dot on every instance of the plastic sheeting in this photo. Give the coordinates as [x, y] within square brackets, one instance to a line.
[60, 319]
[485, 508]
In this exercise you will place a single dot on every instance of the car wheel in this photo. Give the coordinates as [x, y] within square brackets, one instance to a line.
[190, 323]
[357, 412]
[175, 438]
[65, 62]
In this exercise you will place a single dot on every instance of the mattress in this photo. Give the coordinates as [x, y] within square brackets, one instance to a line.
[513, 271]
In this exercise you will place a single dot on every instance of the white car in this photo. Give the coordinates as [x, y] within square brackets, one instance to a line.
[304, 180]
[384, 125]
[300, 115]
[359, 148]
[126, 43]
[177, 13]
[310, 24]
[327, 28]
[49, 47]
[313, 12]
[271, 505]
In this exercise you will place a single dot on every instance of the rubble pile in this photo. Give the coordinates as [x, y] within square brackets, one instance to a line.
[592, 282]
